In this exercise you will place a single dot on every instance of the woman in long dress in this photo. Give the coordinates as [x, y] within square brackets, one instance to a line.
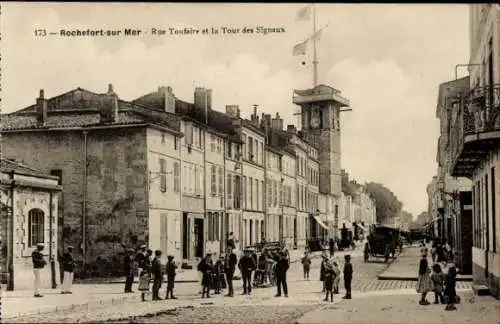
[424, 282]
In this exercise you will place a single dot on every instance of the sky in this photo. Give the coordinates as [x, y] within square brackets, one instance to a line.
[387, 59]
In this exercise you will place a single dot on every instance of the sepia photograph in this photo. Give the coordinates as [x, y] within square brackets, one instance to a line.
[249, 162]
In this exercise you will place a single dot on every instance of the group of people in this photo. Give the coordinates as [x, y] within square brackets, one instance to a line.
[67, 264]
[215, 275]
[330, 275]
[149, 267]
[434, 279]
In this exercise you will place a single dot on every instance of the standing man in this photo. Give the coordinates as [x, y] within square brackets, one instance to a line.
[38, 264]
[281, 269]
[231, 261]
[247, 265]
[347, 276]
[68, 265]
[141, 259]
[331, 244]
[128, 268]
[171, 272]
[156, 271]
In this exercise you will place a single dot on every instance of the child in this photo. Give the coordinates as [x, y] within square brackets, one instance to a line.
[329, 278]
[322, 270]
[437, 278]
[171, 272]
[450, 292]
[306, 264]
[347, 276]
[336, 281]
[424, 282]
[219, 274]
[144, 280]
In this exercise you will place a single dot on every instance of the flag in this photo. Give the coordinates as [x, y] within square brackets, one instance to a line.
[317, 35]
[304, 13]
[300, 49]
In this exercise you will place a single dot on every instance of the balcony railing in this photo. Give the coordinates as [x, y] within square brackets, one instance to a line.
[475, 113]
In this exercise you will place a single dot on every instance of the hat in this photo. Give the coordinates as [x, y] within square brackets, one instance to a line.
[170, 257]
[40, 245]
[70, 247]
[347, 256]
[142, 246]
[130, 250]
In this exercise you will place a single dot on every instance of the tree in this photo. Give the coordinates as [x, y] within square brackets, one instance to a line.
[405, 219]
[421, 220]
[387, 204]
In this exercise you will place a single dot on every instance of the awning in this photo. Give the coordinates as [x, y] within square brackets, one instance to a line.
[320, 222]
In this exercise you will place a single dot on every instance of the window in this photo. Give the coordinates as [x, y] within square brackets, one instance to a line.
[245, 146]
[163, 175]
[57, 173]
[275, 193]
[257, 194]
[36, 227]
[196, 175]
[229, 149]
[212, 143]
[229, 191]
[216, 226]
[250, 148]
[261, 153]
[493, 210]
[263, 191]
[256, 155]
[177, 177]
[237, 192]
[219, 145]
[244, 196]
[210, 227]
[250, 180]
[163, 138]
[269, 193]
[214, 181]
[221, 182]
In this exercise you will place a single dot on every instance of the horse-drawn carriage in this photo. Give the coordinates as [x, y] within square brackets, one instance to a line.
[265, 272]
[382, 242]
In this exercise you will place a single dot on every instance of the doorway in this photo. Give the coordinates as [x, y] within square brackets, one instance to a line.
[185, 236]
[198, 237]
[295, 232]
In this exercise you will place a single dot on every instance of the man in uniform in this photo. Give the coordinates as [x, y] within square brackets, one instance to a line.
[128, 268]
[231, 261]
[156, 271]
[247, 265]
[68, 265]
[38, 264]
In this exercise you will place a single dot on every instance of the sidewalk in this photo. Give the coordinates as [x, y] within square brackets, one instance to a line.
[100, 293]
[405, 267]
[394, 307]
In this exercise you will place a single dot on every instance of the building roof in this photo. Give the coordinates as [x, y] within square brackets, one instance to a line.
[8, 166]
[81, 108]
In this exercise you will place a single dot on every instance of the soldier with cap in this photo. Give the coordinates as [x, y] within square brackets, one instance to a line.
[156, 271]
[128, 268]
[68, 265]
[247, 265]
[38, 264]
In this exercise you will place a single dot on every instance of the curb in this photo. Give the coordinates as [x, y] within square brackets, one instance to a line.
[401, 278]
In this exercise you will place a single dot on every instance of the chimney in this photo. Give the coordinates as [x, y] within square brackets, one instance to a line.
[232, 110]
[41, 108]
[255, 117]
[169, 97]
[203, 98]
[291, 129]
[109, 108]
[277, 123]
[238, 113]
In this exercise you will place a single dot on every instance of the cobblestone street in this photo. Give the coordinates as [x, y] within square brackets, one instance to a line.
[260, 307]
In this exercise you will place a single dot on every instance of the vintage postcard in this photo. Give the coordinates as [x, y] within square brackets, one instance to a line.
[249, 162]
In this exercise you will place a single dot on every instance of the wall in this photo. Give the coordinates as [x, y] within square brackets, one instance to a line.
[117, 211]
[484, 249]
[164, 222]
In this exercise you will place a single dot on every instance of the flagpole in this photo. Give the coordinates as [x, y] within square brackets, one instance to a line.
[315, 59]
